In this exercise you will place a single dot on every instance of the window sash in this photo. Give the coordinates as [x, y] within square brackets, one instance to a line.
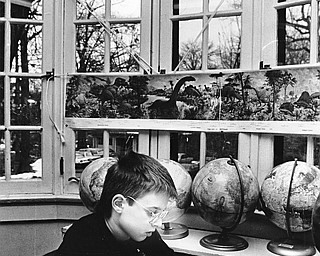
[10, 185]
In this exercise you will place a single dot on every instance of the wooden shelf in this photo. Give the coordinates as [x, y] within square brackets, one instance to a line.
[191, 245]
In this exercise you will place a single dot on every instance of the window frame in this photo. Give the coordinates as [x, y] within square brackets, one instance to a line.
[11, 187]
[60, 46]
[145, 38]
[269, 46]
[246, 14]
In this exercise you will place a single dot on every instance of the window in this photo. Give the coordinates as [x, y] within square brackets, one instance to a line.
[205, 35]
[112, 36]
[46, 44]
[22, 123]
[297, 32]
[294, 35]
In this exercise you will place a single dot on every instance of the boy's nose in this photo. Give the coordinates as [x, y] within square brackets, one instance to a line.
[157, 223]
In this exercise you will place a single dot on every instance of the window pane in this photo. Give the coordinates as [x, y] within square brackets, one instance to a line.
[184, 35]
[1, 100]
[1, 47]
[1, 9]
[186, 7]
[25, 154]
[89, 146]
[224, 43]
[294, 35]
[220, 145]
[25, 101]
[27, 10]
[317, 152]
[287, 148]
[125, 8]
[188, 150]
[226, 5]
[90, 46]
[125, 42]
[26, 42]
[2, 148]
[319, 35]
[85, 8]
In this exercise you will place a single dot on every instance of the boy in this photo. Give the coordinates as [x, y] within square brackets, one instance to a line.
[132, 204]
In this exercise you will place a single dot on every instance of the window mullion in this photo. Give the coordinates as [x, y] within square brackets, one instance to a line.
[107, 54]
[205, 37]
[146, 33]
[314, 35]
[203, 149]
[7, 43]
[310, 150]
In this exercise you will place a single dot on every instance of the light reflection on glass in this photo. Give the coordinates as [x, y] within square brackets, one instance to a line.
[224, 43]
[187, 6]
[125, 8]
[226, 5]
[190, 49]
[89, 9]
[124, 41]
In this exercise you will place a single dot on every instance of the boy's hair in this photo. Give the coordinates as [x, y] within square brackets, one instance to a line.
[134, 175]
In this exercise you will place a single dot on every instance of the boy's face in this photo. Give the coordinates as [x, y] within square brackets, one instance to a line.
[136, 220]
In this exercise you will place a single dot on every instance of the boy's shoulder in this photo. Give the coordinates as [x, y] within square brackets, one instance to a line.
[89, 225]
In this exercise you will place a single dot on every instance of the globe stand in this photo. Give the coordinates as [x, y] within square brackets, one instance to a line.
[289, 246]
[171, 231]
[225, 241]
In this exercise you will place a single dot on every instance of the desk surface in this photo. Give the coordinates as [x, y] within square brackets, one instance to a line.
[191, 245]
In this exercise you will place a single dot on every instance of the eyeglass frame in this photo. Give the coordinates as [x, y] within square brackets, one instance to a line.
[154, 216]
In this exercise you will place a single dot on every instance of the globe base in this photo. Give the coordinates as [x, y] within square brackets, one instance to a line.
[172, 231]
[224, 242]
[290, 247]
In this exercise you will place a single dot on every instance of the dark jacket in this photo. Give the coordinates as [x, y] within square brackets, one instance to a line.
[90, 236]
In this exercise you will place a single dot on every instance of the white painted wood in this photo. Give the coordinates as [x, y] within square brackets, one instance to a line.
[143, 142]
[266, 156]
[254, 153]
[106, 138]
[310, 150]
[153, 144]
[203, 149]
[164, 144]
[244, 147]
[266, 127]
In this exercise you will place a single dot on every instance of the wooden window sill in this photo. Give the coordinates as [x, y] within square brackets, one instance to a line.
[191, 245]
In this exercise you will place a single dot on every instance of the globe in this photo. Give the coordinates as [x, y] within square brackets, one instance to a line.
[305, 189]
[225, 193]
[177, 207]
[316, 223]
[216, 192]
[92, 179]
[182, 181]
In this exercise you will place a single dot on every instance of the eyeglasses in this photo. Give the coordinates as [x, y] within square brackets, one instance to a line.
[154, 216]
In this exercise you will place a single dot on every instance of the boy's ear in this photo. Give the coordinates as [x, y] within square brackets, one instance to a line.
[117, 202]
